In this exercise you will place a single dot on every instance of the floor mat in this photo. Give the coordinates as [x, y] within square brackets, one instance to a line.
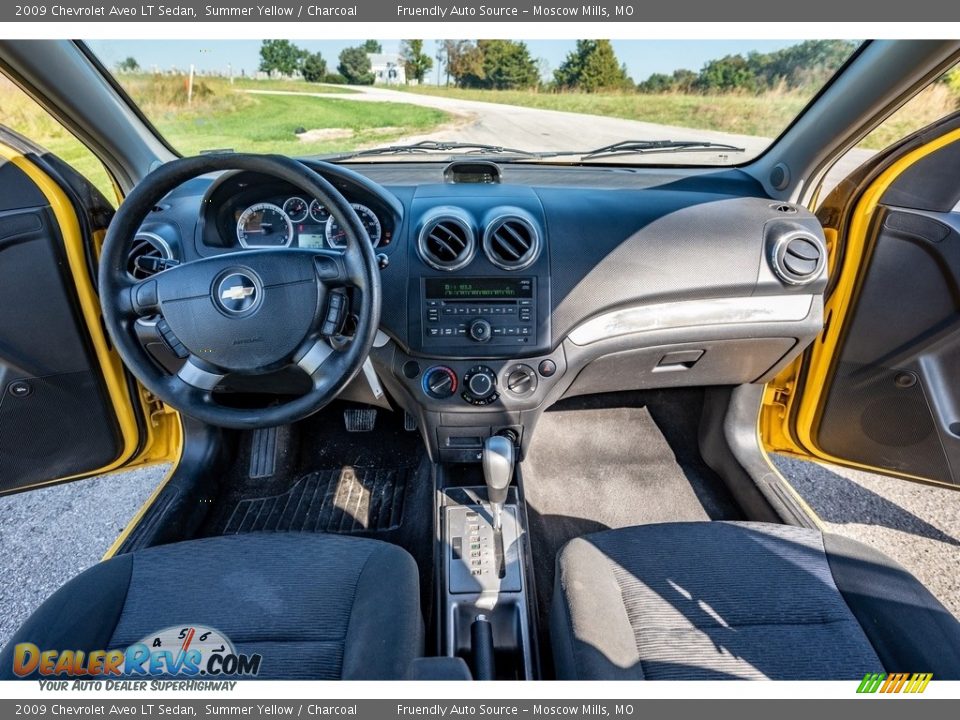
[339, 500]
[375, 484]
[610, 461]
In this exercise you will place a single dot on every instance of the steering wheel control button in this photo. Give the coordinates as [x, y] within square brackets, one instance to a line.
[336, 307]
[521, 380]
[146, 296]
[480, 385]
[547, 368]
[171, 340]
[439, 382]
[237, 293]
[480, 330]
[20, 389]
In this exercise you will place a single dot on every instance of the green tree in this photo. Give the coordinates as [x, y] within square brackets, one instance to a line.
[501, 65]
[416, 62]
[128, 64]
[314, 68]
[355, 66]
[281, 56]
[591, 67]
[372, 46]
[463, 61]
[729, 73]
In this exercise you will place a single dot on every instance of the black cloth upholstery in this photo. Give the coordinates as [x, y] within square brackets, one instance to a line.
[713, 600]
[314, 606]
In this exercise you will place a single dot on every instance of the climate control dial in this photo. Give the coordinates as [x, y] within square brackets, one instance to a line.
[480, 386]
[439, 382]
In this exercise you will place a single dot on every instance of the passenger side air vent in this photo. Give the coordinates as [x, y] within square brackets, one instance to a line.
[447, 242]
[798, 259]
[147, 249]
[511, 243]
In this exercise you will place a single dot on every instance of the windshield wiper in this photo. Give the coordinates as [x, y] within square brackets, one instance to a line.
[650, 147]
[430, 146]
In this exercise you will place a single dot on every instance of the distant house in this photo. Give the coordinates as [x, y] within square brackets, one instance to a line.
[387, 68]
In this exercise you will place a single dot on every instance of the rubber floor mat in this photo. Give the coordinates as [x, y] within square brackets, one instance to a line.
[341, 500]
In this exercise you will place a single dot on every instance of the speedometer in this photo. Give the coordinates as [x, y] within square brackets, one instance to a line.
[336, 236]
[264, 225]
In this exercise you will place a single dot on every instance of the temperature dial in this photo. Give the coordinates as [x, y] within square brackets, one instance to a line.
[480, 386]
[439, 382]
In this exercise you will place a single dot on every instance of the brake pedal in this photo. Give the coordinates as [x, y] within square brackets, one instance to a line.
[359, 419]
[263, 452]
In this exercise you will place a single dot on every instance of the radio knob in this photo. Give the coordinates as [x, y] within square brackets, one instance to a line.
[439, 382]
[480, 330]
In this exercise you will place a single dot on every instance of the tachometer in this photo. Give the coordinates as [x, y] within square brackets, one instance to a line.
[264, 225]
[336, 235]
[296, 209]
[318, 212]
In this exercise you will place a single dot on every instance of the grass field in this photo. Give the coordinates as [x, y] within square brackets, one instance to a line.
[765, 116]
[222, 116]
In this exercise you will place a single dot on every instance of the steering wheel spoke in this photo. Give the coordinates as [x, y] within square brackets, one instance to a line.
[198, 374]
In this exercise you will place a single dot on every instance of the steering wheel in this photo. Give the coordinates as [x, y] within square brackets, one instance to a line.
[244, 312]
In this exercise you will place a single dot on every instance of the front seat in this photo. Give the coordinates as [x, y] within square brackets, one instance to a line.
[713, 600]
[314, 606]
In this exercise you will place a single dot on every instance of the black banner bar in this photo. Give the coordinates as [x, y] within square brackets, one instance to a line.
[494, 708]
[81, 11]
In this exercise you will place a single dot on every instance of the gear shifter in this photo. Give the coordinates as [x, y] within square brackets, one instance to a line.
[497, 473]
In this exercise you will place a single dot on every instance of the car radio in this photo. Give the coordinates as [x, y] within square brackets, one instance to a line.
[484, 310]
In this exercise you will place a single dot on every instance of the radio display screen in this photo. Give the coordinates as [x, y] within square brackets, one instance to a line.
[479, 288]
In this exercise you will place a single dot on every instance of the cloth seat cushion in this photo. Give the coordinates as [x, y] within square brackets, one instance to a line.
[314, 606]
[712, 600]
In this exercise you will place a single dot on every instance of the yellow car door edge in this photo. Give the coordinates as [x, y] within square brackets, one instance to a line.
[776, 432]
[163, 441]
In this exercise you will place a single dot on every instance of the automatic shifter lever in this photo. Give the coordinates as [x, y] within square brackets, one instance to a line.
[497, 473]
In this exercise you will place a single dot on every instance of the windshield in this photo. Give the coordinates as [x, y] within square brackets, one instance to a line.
[663, 102]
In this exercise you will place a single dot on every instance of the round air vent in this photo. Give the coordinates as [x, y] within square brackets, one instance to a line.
[511, 243]
[446, 242]
[147, 249]
[798, 259]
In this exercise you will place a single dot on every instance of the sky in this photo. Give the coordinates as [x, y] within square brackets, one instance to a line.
[642, 57]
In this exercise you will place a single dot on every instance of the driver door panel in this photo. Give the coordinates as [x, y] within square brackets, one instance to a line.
[57, 418]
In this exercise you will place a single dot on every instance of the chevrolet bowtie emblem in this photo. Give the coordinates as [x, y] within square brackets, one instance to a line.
[236, 293]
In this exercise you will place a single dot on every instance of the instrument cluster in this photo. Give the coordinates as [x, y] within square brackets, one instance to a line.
[295, 221]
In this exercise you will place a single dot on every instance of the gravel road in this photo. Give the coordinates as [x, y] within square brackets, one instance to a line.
[49, 535]
[917, 525]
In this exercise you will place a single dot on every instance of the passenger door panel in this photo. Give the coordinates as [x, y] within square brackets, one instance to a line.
[893, 401]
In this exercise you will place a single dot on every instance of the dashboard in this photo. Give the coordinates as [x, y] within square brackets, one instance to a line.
[502, 297]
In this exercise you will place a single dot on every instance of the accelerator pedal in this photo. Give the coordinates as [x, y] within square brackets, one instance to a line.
[359, 419]
[409, 422]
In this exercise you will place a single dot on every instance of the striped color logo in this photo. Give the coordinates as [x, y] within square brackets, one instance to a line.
[894, 683]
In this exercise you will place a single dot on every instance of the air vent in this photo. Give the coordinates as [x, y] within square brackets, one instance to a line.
[798, 259]
[511, 243]
[447, 242]
[147, 246]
